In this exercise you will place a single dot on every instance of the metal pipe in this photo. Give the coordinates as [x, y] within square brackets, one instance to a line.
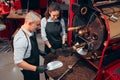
[70, 21]
[69, 68]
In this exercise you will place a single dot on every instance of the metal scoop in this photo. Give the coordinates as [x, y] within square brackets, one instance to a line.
[113, 18]
[54, 65]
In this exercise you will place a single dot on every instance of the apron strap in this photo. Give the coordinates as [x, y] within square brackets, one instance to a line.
[27, 42]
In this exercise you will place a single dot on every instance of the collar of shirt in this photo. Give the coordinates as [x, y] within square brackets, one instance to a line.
[50, 20]
[27, 32]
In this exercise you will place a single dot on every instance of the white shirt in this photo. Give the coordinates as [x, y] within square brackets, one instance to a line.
[43, 26]
[20, 44]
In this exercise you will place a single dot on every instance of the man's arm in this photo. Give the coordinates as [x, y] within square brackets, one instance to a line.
[26, 66]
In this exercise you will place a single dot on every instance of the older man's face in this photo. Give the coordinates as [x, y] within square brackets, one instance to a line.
[35, 26]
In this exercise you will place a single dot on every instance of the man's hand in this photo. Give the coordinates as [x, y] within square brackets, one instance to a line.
[41, 69]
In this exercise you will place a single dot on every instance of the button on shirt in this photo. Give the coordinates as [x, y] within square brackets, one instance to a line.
[20, 43]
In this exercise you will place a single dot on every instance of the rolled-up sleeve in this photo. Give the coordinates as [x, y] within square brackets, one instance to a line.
[43, 33]
[19, 49]
[63, 28]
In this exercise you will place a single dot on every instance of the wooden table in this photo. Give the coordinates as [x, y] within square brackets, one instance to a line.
[16, 16]
[14, 21]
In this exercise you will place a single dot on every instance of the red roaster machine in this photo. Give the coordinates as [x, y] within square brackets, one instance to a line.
[95, 38]
[100, 30]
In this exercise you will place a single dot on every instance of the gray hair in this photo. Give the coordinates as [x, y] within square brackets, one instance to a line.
[33, 16]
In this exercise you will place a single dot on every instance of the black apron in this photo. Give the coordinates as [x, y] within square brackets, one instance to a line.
[53, 32]
[33, 60]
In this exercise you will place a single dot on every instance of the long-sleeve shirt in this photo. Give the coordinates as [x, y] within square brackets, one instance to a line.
[20, 45]
[43, 26]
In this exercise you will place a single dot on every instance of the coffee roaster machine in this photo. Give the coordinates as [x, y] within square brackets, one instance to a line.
[95, 40]
[98, 29]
